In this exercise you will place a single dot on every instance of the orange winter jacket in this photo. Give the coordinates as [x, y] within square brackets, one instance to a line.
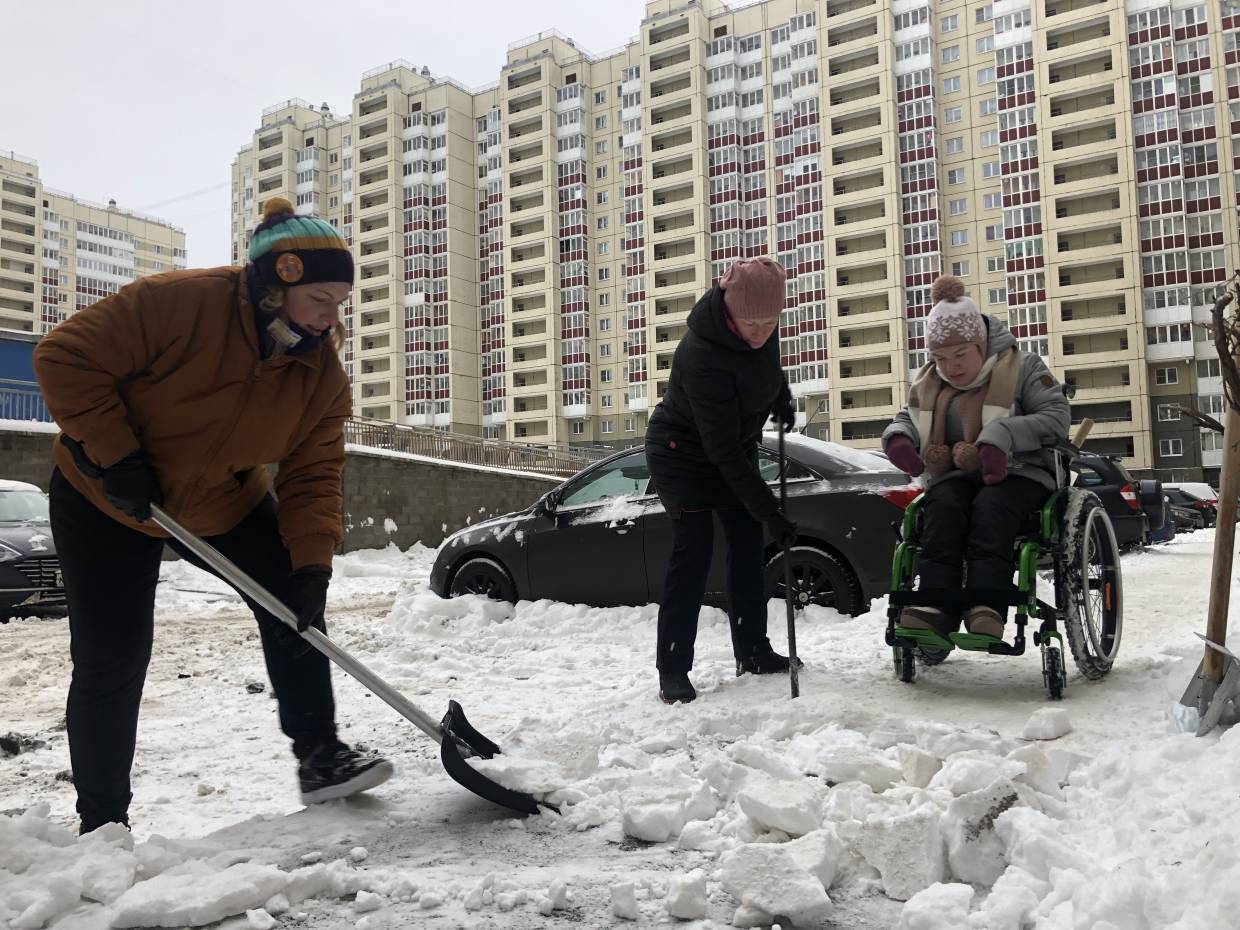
[172, 365]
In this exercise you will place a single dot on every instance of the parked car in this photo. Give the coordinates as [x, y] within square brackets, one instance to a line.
[1169, 528]
[1198, 489]
[1186, 519]
[1184, 498]
[1135, 507]
[602, 538]
[30, 580]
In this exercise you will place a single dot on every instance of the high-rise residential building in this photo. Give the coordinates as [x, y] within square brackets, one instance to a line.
[528, 251]
[59, 253]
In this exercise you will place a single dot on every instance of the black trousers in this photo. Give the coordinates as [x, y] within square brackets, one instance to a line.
[110, 572]
[685, 586]
[970, 524]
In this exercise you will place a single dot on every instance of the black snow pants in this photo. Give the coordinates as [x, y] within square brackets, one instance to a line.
[685, 586]
[110, 573]
[970, 529]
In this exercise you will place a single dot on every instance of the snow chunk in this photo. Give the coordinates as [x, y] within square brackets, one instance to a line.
[686, 897]
[259, 919]
[654, 822]
[819, 853]
[367, 901]
[973, 770]
[939, 907]
[974, 852]
[624, 902]
[793, 807]
[917, 765]
[871, 768]
[195, 894]
[389, 526]
[907, 850]
[766, 877]
[1047, 723]
[358, 853]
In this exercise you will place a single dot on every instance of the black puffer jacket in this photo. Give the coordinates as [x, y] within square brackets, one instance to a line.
[702, 440]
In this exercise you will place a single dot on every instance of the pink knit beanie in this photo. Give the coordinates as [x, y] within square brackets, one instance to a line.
[753, 289]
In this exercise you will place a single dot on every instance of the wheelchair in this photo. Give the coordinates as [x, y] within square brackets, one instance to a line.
[1072, 540]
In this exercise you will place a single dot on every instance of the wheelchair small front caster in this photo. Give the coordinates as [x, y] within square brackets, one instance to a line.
[906, 666]
[1053, 672]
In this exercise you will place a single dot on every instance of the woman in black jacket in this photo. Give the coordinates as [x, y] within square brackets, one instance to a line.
[702, 448]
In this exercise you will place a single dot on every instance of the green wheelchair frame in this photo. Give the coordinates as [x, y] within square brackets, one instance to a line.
[1073, 537]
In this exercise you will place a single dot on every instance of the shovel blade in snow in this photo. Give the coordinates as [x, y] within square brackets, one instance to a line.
[460, 742]
[1207, 703]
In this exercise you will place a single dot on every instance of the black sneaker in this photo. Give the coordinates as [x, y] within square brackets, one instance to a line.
[336, 771]
[675, 686]
[764, 662]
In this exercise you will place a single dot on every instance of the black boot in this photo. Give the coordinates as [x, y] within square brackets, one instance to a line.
[763, 662]
[675, 686]
[335, 771]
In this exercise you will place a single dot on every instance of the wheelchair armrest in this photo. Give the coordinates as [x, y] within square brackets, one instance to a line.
[1061, 445]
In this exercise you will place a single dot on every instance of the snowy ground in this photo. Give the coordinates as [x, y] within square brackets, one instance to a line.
[738, 809]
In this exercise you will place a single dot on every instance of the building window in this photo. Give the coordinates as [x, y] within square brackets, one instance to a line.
[604, 325]
[994, 232]
[600, 122]
[1168, 413]
[950, 54]
[960, 269]
[604, 274]
[628, 424]
[1166, 376]
[606, 426]
[985, 76]
[989, 138]
[600, 172]
[604, 248]
[600, 148]
[985, 45]
[992, 201]
[955, 176]
[951, 85]
[604, 350]
[958, 207]
[604, 300]
[994, 263]
[953, 114]
[601, 223]
[600, 198]
[960, 237]
[600, 96]
[988, 106]
[955, 145]
[984, 14]
[949, 23]
[604, 376]
[1209, 368]
[579, 428]
[997, 295]
[607, 401]
[1170, 448]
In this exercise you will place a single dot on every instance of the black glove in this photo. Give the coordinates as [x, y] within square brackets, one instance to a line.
[131, 487]
[307, 595]
[782, 530]
[785, 412]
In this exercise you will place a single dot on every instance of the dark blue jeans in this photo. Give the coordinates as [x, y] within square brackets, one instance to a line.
[110, 573]
[685, 586]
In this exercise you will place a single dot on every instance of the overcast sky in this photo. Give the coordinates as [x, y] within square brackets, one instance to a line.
[148, 102]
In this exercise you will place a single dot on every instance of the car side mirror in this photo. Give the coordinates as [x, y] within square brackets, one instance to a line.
[548, 503]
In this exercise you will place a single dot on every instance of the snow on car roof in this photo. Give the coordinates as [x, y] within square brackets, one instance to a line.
[6, 485]
[855, 459]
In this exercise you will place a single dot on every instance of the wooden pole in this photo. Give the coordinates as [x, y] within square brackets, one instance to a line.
[1224, 544]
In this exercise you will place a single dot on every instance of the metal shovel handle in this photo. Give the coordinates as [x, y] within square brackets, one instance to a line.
[320, 641]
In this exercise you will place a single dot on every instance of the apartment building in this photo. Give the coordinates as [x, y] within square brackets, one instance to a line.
[60, 253]
[527, 272]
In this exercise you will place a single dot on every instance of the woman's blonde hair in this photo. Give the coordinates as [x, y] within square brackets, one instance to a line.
[271, 302]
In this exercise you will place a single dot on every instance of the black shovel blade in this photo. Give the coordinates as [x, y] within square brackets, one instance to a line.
[460, 742]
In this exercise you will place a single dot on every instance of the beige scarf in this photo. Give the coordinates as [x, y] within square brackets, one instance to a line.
[930, 396]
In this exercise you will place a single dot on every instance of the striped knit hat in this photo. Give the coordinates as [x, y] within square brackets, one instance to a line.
[954, 319]
[287, 249]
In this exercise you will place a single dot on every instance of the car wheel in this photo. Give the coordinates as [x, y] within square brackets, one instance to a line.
[486, 577]
[818, 577]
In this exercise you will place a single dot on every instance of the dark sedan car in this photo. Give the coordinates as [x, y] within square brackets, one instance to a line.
[30, 579]
[1187, 499]
[1136, 508]
[602, 538]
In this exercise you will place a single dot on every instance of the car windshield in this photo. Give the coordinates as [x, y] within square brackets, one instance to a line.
[23, 507]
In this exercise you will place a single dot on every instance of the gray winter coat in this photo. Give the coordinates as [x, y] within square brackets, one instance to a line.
[1040, 414]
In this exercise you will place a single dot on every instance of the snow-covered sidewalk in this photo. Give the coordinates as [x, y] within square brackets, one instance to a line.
[740, 808]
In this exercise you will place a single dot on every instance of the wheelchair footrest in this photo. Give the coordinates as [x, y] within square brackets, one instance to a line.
[927, 639]
[976, 642]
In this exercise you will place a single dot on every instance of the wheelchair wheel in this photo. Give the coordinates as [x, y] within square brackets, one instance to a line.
[932, 656]
[906, 665]
[1053, 672]
[1089, 566]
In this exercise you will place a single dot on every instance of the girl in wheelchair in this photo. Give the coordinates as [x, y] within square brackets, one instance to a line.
[978, 418]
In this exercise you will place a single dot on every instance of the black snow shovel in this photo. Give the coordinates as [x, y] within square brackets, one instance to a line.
[457, 739]
[794, 677]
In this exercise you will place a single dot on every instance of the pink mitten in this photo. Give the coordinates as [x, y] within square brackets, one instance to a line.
[903, 455]
[994, 463]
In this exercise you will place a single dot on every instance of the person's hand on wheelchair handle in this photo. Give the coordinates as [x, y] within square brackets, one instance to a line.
[786, 415]
[903, 455]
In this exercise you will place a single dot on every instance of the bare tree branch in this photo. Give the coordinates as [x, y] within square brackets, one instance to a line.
[1227, 342]
[1201, 419]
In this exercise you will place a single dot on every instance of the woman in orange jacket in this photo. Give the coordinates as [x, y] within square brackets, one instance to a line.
[178, 390]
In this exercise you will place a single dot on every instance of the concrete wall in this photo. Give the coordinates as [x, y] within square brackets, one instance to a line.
[423, 499]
